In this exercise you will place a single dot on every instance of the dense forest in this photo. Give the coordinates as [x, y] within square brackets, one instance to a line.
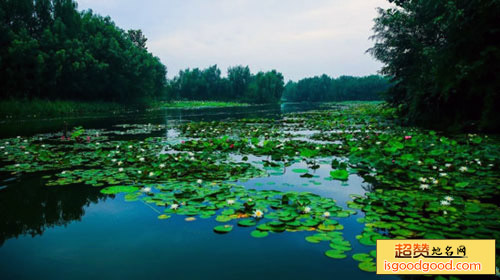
[50, 50]
[239, 85]
[325, 89]
[444, 59]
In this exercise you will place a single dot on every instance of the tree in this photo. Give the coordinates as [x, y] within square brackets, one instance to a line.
[443, 57]
[325, 89]
[137, 38]
[50, 50]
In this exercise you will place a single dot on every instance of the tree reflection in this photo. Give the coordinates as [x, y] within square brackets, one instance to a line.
[29, 207]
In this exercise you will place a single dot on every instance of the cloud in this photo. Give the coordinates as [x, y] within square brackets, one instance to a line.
[297, 37]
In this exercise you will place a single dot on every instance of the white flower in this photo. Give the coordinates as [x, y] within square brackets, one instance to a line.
[174, 206]
[162, 165]
[463, 169]
[6, 153]
[445, 203]
[250, 200]
[2, 147]
[139, 171]
[146, 189]
[448, 198]
[43, 146]
[326, 214]
[113, 160]
[118, 146]
[423, 180]
[142, 159]
[317, 148]
[120, 162]
[307, 209]
[378, 142]
[120, 169]
[448, 165]
[424, 186]
[17, 165]
[97, 143]
[199, 181]
[26, 153]
[443, 174]
[130, 147]
[151, 174]
[64, 172]
[230, 201]
[434, 167]
[445, 212]
[420, 162]
[258, 214]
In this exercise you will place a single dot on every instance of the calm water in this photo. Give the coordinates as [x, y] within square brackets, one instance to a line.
[78, 233]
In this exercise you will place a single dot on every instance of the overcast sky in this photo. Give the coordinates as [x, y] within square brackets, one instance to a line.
[300, 38]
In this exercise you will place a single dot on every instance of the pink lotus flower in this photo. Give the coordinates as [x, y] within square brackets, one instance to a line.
[62, 138]
[88, 139]
[408, 137]
[182, 142]
[232, 146]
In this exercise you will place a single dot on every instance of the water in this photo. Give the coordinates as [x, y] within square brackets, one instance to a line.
[78, 233]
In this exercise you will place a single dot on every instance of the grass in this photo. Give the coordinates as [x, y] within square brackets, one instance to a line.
[34, 108]
[200, 104]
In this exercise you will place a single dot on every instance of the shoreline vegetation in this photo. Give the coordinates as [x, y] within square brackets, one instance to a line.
[28, 109]
[194, 104]
[18, 109]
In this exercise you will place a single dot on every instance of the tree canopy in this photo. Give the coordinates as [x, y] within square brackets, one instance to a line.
[48, 49]
[444, 59]
[323, 88]
[239, 85]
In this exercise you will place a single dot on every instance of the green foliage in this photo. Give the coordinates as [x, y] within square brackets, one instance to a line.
[444, 58]
[324, 89]
[55, 108]
[50, 50]
[240, 85]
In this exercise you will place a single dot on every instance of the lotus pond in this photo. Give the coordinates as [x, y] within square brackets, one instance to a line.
[244, 193]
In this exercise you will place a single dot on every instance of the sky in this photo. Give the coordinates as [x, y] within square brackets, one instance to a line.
[299, 38]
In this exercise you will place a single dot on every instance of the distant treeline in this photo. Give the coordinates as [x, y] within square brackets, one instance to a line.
[50, 50]
[324, 89]
[239, 85]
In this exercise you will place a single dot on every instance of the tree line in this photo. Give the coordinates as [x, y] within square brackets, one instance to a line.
[326, 89]
[444, 60]
[239, 85]
[50, 50]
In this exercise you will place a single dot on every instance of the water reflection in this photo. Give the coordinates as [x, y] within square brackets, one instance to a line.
[29, 208]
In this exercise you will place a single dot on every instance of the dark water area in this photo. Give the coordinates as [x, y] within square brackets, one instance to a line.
[76, 232]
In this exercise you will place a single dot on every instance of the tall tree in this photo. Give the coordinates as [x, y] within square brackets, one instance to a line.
[444, 59]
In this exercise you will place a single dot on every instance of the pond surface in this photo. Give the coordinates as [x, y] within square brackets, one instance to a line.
[77, 232]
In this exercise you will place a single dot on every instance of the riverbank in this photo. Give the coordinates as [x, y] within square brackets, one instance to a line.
[200, 104]
[36, 108]
[21, 109]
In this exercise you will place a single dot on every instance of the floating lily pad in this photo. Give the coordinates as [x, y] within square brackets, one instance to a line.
[259, 234]
[223, 229]
[119, 189]
[335, 254]
[367, 266]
